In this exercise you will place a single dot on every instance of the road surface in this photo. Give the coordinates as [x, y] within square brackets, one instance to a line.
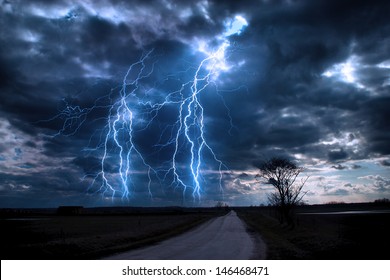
[222, 238]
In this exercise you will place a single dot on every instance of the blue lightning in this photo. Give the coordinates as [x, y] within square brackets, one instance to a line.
[131, 113]
[192, 123]
[120, 132]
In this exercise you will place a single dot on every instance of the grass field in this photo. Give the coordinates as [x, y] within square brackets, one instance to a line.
[320, 236]
[89, 236]
[99, 233]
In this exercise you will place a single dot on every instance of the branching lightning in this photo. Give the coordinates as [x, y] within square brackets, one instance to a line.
[131, 113]
[120, 132]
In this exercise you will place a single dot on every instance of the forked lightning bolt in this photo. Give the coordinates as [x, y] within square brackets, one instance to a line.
[120, 131]
[132, 112]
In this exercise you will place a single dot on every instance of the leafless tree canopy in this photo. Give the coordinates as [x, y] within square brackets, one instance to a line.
[282, 175]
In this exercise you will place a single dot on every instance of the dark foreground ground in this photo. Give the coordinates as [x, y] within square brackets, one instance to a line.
[100, 232]
[324, 232]
[43, 234]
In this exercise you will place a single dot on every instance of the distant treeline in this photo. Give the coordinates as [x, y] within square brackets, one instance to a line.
[80, 210]
[382, 203]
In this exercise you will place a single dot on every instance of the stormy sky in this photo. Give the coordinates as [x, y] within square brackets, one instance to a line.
[304, 80]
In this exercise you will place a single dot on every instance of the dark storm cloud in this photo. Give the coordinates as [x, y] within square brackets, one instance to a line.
[339, 167]
[343, 167]
[291, 46]
[57, 53]
[385, 162]
[90, 164]
[376, 115]
[337, 155]
[356, 166]
[33, 188]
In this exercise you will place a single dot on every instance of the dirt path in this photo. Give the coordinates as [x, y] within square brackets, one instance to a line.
[222, 238]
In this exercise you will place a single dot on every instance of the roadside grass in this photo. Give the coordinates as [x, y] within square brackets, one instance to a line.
[89, 237]
[319, 237]
[346, 236]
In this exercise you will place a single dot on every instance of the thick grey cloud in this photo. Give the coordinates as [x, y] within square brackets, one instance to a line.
[385, 163]
[310, 82]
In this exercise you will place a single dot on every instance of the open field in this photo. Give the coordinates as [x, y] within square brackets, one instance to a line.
[323, 232]
[31, 235]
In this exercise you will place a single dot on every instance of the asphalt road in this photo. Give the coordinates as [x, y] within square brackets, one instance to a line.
[222, 238]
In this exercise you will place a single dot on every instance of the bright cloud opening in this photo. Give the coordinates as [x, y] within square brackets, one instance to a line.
[345, 71]
[235, 26]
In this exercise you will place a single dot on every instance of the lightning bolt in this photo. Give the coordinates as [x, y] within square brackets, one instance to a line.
[120, 132]
[191, 124]
[131, 113]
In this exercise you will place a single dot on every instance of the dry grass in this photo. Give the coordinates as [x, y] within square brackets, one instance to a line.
[89, 237]
[363, 236]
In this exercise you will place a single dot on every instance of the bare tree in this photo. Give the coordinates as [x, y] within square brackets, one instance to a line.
[282, 175]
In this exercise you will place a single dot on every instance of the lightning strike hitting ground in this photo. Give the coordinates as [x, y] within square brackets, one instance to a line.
[132, 112]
